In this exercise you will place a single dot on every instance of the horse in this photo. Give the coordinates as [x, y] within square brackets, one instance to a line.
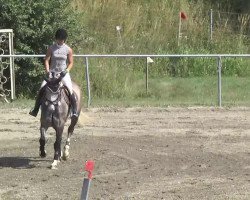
[55, 110]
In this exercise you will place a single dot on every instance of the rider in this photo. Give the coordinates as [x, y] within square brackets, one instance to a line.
[59, 58]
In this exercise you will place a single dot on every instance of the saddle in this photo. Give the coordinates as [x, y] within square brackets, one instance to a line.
[54, 91]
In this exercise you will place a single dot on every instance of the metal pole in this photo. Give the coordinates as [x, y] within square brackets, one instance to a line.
[219, 80]
[146, 75]
[87, 79]
[211, 24]
[85, 189]
[89, 167]
[12, 68]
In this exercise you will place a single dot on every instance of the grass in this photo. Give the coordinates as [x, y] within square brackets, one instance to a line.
[21, 103]
[236, 91]
[166, 91]
[151, 27]
[196, 91]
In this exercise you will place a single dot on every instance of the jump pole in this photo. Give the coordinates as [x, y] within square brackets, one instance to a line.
[89, 167]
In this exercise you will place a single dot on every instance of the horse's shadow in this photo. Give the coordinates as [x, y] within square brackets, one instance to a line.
[19, 162]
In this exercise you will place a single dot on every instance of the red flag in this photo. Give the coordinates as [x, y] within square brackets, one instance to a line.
[183, 15]
[89, 167]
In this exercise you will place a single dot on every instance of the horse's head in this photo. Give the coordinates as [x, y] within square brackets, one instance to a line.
[53, 81]
[53, 86]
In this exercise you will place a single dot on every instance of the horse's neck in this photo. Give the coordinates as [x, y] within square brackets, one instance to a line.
[53, 95]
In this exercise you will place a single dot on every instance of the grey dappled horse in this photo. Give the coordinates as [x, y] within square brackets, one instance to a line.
[55, 110]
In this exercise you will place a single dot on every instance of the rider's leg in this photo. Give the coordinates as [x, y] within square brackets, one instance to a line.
[68, 83]
[35, 110]
[73, 104]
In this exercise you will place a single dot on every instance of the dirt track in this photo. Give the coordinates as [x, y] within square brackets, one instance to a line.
[140, 153]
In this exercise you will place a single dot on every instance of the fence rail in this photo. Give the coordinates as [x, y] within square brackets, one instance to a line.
[137, 56]
[86, 58]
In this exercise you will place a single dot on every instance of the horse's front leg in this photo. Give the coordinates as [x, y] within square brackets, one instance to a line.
[70, 132]
[42, 141]
[57, 148]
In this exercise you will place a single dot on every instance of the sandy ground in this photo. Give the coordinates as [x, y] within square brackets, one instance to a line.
[139, 153]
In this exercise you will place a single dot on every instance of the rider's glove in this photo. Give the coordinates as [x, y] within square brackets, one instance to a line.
[48, 75]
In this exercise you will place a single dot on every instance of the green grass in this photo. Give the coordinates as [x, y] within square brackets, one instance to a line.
[236, 91]
[22, 103]
[163, 92]
[151, 27]
[197, 91]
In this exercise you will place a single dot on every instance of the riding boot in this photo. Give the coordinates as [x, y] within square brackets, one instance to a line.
[35, 110]
[73, 104]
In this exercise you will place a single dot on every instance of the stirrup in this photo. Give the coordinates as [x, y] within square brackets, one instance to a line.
[74, 115]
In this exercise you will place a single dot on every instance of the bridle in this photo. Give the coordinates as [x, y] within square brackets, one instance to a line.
[54, 87]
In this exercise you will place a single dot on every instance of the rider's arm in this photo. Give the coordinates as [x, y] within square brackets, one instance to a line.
[47, 59]
[70, 60]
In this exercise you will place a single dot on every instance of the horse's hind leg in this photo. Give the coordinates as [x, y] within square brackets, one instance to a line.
[42, 142]
[70, 132]
[57, 148]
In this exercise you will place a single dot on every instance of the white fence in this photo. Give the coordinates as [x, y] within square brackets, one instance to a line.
[6, 48]
[86, 58]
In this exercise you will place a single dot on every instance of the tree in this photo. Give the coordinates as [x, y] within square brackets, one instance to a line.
[34, 23]
[239, 6]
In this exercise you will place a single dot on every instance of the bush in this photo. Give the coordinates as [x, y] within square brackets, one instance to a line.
[34, 23]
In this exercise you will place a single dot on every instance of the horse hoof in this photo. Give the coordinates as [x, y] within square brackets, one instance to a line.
[54, 164]
[53, 167]
[43, 154]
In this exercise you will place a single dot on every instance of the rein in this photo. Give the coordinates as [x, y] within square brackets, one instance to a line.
[53, 91]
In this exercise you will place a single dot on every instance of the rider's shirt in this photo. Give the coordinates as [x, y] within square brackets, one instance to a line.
[59, 55]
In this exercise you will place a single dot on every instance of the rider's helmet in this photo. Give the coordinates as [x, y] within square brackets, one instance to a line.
[61, 34]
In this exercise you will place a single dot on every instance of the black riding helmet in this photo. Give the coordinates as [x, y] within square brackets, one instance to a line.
[61, 34]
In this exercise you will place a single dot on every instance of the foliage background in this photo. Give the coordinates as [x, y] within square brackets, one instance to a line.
[147, 27]
[34, 24]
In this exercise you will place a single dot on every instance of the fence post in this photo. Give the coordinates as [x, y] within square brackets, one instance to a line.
[87, 79]
[219, 65]
[12, 69]
[7, 35]
[146, 75]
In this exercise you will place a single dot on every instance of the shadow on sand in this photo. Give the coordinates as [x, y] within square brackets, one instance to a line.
[20, 162]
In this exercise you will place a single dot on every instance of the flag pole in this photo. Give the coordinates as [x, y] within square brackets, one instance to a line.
[182, 16]
[179, 31]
